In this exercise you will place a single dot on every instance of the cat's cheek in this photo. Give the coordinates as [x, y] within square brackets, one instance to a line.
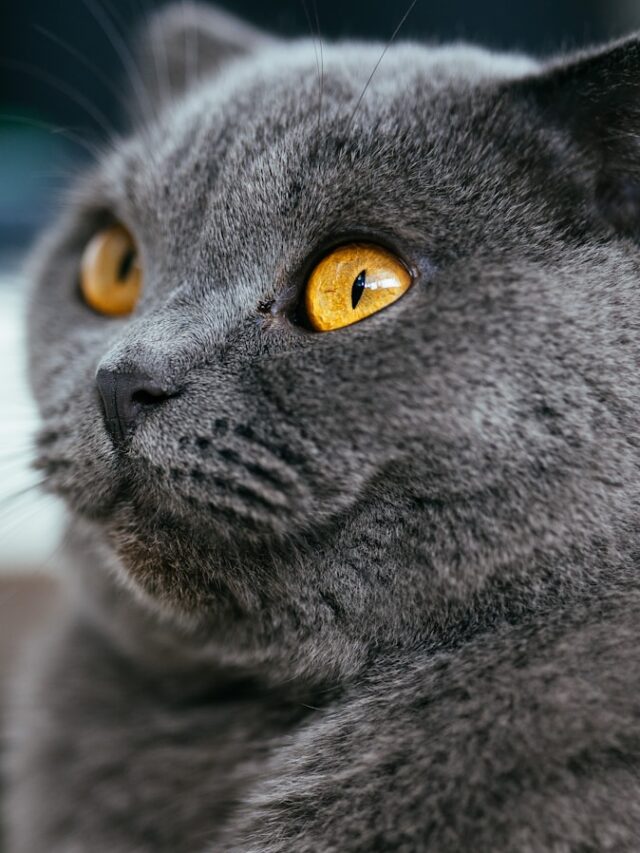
[83, 493]
[80, 468]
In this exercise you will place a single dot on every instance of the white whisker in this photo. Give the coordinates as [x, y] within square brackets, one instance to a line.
[382, 56]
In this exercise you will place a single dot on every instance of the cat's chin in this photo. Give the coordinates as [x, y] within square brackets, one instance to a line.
[243, 609]
[186, 563]
[207, 608]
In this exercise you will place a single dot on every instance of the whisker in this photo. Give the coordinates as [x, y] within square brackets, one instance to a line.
[7, 432]
[19, 405]
[72, 51]
[315, 11]
[319, 56]
[13, 419]
[144, 12]
[41, 500]
[6, 500]
[117, 18]
[18, 498]
[124, 53]
[10, 463]
[315, 50]
[57, 179]
[313, 35]
[68, 133]
[56, 83]
[192, 72]
[19, 451]
[377, 65]
[146, 103]
[164, 79]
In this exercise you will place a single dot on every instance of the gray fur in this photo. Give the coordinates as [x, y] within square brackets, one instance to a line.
[374, 589]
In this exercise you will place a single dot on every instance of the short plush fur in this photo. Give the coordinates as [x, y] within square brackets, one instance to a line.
[366, 590]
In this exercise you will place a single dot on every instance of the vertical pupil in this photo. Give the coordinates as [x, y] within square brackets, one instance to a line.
[126, 264]
[358, 288]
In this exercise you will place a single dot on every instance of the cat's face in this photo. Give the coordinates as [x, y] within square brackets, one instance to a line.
[453, 432]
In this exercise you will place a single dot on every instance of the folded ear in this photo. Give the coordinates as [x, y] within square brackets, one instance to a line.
[595, 95]
[186, 42]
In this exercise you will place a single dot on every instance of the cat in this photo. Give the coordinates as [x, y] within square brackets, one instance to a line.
[343, 572]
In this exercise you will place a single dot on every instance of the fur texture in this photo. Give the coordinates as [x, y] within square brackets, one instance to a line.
[374, 589]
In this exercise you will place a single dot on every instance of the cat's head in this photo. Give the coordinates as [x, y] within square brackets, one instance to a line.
[246, 456]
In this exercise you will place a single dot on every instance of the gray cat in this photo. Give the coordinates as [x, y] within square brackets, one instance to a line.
[338, 585]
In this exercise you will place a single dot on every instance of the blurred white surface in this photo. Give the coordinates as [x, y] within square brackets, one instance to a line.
[30, 521]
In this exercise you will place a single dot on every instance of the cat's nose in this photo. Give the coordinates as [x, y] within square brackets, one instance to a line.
[126, 398]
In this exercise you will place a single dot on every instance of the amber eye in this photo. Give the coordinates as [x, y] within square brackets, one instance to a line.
[110, 275]
[351, 283]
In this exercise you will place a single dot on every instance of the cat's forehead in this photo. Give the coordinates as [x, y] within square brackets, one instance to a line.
[290, 145]
[281, 105]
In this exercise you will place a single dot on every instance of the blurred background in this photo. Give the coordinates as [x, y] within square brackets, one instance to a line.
[62, 77]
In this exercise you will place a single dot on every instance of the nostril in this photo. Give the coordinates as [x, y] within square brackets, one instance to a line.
[146, 397]
[126, 397]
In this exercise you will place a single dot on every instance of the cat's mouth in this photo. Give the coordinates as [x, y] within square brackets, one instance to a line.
[230, 491]
[238, 499]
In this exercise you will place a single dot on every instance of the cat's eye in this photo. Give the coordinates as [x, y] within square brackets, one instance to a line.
[110, 274]
[351, 283]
